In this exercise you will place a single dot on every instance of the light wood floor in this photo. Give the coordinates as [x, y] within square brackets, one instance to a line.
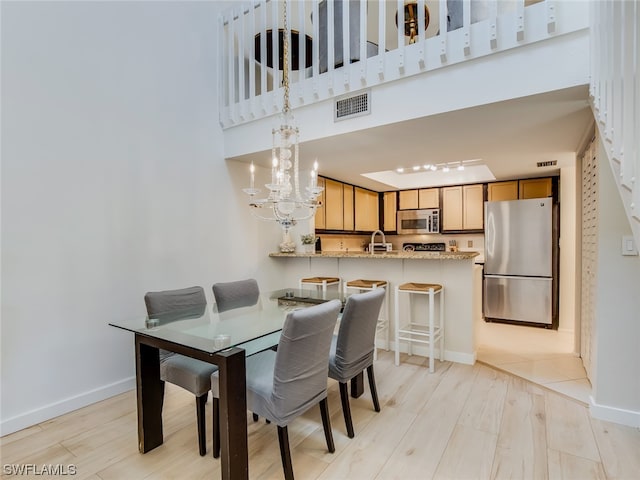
[462, 422]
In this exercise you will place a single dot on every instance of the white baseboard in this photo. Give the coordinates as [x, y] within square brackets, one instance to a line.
[613, 414]
[67, 405]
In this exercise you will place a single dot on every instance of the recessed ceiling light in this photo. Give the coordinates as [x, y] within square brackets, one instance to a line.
[445, 169]
[416, 168]
[400, 170]
[460, 168]
[427, 166]
[433, 168]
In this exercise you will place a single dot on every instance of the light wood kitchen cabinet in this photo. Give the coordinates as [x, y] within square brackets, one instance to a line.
[408, 200]
[320, 217]
[366, 208]
[347, 200]
[333, 205]
[502, 191]
[452, 208]
[473, 207]
[423, 198]
[463, 207]
[535, 188]
[390, 210]
[429, 198]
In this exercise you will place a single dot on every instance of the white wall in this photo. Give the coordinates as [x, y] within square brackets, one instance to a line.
[113, 184]
[616, 382]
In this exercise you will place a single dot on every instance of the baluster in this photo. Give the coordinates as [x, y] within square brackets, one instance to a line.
[382, 40]
[346, 42]
[363, 42]
[263, 57]
[400, 10]
[275, 48]
[302, 51]
[316, 48]
[242, 105]
[443, 31]
[493, 24]
[330, 45]
[520, 20]
[466, 26]
[421, 35]
[252, 55]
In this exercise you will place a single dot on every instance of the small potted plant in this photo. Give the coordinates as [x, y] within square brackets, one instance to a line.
[308, 242]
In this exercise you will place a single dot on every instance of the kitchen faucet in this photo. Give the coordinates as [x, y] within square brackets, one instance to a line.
[373, 236]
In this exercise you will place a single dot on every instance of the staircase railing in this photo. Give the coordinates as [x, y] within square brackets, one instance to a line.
[434, 34]
[615, 95]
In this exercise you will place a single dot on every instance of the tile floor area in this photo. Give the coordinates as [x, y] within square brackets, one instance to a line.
[539, 355]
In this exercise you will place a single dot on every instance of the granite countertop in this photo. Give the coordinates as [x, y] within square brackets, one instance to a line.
[385, 255]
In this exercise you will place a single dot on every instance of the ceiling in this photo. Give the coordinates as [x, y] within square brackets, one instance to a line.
[509, 137]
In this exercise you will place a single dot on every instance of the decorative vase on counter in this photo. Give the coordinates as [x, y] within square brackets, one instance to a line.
[287, 246]
[308, 243]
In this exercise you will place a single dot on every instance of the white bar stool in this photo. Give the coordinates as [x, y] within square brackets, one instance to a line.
[361, 285]
[320, 282]
[413, 332]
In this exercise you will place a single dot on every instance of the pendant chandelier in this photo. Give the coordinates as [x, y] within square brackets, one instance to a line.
[286, 203]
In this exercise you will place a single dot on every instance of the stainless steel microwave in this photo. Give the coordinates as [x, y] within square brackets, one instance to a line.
[418, 221]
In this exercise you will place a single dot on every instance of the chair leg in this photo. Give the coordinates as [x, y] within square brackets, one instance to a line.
[255, 417]
[326, 424]
[346, 409]
[201, 402]
[216, 427]
[372, 387]
[285, 452]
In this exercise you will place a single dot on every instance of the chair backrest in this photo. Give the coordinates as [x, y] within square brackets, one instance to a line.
[230, 295]
[356, 336]
[169, 301]
[302, 359]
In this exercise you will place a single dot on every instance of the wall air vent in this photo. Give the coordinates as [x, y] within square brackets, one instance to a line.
[550, 163]
[352, 106]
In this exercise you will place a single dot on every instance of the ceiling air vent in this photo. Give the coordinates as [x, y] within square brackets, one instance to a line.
[352, 106]
[550, 163]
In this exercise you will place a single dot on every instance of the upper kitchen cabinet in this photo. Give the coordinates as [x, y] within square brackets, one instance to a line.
[423, 198]
[408, 200]
[366, 208]
[348, 207]
[390, 210]
[536, 188]
[333, 205]
[499, 191]
[320, 211]
[338, 207]
[463, 208]
[429, 198]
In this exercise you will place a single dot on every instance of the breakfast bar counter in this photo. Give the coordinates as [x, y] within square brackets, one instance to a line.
[455, 271]
[391, 255]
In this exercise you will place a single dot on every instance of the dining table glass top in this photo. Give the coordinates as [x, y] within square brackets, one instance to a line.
[254, 328]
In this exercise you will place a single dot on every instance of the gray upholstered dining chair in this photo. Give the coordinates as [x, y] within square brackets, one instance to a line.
[283, 384]
[353, 347]
[191, 374]
[228, 296]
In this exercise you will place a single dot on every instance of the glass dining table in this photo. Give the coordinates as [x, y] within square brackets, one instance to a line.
[221, 338]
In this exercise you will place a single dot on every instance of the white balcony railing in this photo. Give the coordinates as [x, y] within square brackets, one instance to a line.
[446, 33]
[615, 95]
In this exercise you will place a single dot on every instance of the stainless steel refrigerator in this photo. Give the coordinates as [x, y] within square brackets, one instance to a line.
[521, 255]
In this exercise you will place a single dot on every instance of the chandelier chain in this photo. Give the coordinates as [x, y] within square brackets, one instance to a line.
[285, 62]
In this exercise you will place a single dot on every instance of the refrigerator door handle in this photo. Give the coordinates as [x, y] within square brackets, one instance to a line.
[517, 277]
